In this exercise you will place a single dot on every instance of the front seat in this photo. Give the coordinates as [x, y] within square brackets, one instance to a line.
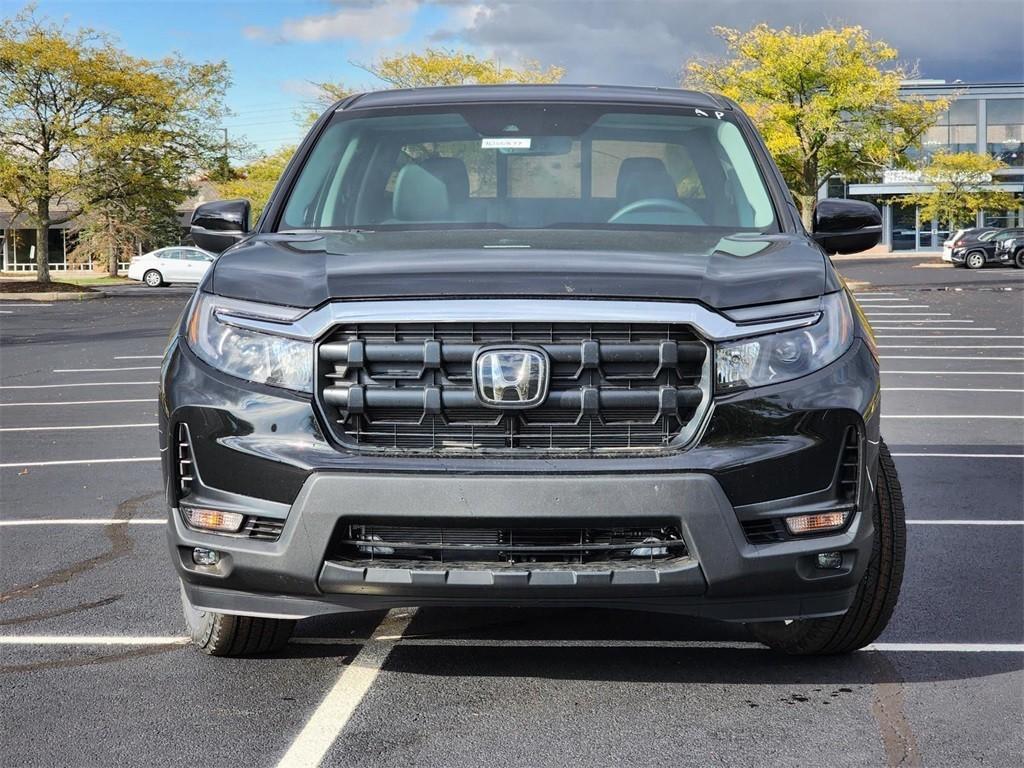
[419, 196]
[452, 171]
[643, 178]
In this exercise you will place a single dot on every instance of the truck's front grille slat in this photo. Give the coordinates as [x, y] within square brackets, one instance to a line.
[629, 544]
[614, 387]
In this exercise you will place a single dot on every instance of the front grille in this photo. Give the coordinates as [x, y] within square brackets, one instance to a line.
[508, 545]
[614, 386]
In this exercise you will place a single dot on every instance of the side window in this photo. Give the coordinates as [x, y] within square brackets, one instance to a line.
[168, 253]
[193, 255]
[546, 176]
[609, 154]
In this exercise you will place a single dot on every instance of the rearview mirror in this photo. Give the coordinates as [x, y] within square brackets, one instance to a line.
[218, 225]
[846, 226]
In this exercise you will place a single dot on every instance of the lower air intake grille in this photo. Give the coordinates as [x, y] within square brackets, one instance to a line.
[263, 528]
[849, 466]
[509, 545]
[409, 387]
[764, 530]
[183, 460]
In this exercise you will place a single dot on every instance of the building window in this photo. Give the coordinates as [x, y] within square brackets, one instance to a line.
[956, 130]
[1005, 133]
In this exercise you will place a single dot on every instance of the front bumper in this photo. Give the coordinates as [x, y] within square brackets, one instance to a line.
[765, 453]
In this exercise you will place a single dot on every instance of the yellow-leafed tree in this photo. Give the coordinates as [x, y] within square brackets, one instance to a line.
[828, 103]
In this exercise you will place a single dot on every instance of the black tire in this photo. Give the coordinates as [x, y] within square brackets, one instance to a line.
[153, 279]
[221, 634]
[1018, 259]
[878, 591]
[978, 259]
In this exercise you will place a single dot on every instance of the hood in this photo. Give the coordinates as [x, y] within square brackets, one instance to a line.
[719, 271]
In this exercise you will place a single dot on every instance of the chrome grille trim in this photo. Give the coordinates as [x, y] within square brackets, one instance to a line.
[706, 323]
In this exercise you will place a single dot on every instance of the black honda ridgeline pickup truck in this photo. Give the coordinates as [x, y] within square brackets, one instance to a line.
[530, 346]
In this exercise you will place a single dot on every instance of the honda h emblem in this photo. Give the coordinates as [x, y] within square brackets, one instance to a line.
[511, 377]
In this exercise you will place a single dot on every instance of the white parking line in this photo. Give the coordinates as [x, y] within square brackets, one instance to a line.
[935, 330]
[963, 416]
[390, 640]
[341, 701]
[965, 522]
[983, 336]
[948, 389]
[878, 322]
[107, 370]
[912, 314]
[82, 402]
[902, 306]
[946, 357]
[84, 426]
[872, 299]
[65, 462]
[951, 346]
[958, 455]
[957, 373]
[81, 384]
[82, 521]
[93, 640]
[138, 357]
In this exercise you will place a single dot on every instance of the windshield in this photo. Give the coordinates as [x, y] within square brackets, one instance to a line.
[530, 166]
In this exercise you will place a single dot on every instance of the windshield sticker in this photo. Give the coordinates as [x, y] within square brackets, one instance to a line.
[506, 142]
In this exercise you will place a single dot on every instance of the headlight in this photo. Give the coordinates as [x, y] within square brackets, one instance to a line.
[250, 355]
[777, 357]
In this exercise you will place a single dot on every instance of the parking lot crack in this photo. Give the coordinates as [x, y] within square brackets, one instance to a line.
[120, 545]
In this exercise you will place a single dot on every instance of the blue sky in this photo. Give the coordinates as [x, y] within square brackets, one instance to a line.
[276, 49]
[271, 76]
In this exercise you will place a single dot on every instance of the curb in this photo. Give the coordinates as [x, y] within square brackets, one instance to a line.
[53, 296]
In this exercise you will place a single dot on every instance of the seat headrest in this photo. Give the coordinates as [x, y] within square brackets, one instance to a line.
[641, 178]
[419, 195]
[452, 171]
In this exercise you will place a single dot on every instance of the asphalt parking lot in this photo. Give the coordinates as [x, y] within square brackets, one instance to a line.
[95, 670]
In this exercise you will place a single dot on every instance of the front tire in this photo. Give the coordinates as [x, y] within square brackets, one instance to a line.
[153, 279]
[975, 260]
[876, 595]
[1018, 259]
[222, 634]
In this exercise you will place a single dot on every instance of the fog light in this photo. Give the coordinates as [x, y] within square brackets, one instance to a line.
[826, 521]
[204, 556]
[213, 519]
[830, 560]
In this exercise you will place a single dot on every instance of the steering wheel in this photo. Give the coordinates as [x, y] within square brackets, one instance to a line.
[653, 204]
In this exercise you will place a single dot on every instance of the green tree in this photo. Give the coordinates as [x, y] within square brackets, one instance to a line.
[256, 180]
[86, 128]
[828, 104]
[961, 185]
[436, 66]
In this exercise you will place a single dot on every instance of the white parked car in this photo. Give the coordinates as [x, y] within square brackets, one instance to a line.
[177, 264]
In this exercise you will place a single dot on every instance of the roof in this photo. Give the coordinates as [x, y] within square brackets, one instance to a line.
[464, 94]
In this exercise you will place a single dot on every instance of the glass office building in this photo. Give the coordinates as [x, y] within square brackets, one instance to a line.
[987, 118]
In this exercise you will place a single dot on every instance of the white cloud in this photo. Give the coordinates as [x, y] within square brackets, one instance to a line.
[368, 22]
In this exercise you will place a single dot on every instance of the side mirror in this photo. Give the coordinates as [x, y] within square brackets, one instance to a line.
[218, 225]
[846, 226]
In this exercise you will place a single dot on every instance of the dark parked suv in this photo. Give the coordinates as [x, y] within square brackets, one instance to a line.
[530, 346]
